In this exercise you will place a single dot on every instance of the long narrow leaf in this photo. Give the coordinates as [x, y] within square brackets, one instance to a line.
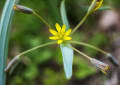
[64, 15]
[4, 36]
[67, 52]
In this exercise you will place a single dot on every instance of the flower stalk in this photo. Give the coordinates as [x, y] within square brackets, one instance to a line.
[28, 10]
[95, 5]
[83, 54]
[102, 66]
[90, 46]
[42, 19]
[108, 55]
[16, 58]
[80, 23]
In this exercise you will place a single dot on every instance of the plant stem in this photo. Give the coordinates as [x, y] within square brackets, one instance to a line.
[83, 54]
[90, 9]
[32, 49]
[108, 55]
[41, 18]
[90, 46]
[80, 23]
[16, 58]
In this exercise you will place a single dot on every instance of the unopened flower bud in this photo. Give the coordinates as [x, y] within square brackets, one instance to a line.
[98, 4]
[23, 9]
[95, 5]
[102, 66]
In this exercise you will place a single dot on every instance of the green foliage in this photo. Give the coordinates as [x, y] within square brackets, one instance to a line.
[31, 72]
[4, 36]
[50, 76]
[67, 52]
[45, 66]
[64, 15]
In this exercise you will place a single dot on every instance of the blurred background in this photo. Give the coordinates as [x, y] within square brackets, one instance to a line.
[44, 66]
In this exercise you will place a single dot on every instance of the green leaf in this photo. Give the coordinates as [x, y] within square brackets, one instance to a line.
[67, 54]
[64, 15]
[4, 35]
[67, 51]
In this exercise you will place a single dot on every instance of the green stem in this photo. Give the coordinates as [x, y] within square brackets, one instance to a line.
[16, 58]
[81, 53]
[90, 9]
[80, 23]
[37, 47]
[108, 55]
[90, 46]
[42, 19]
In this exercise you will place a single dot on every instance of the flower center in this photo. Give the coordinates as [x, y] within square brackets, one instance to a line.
[61, 35]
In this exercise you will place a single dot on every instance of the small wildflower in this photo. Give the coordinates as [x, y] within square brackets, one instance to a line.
[61, 35]
[102, 66]
[98, 4]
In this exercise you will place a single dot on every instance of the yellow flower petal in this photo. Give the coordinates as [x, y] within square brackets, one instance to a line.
[61, 34]
[68, 32]
[58, 27]
[53, 38]
[63, 29]
[60, 41]
[98, 4]
[105, 69]
[52, 31]
[67, 38]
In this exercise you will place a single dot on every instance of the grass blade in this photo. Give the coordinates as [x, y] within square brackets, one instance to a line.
[4, 36]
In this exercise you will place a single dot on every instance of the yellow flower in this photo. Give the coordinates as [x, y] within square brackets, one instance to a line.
[61, 35]
[98, 4]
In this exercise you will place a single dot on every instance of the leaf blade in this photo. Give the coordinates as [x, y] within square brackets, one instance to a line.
[64, 15]
[4, 34]
[67, 52]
